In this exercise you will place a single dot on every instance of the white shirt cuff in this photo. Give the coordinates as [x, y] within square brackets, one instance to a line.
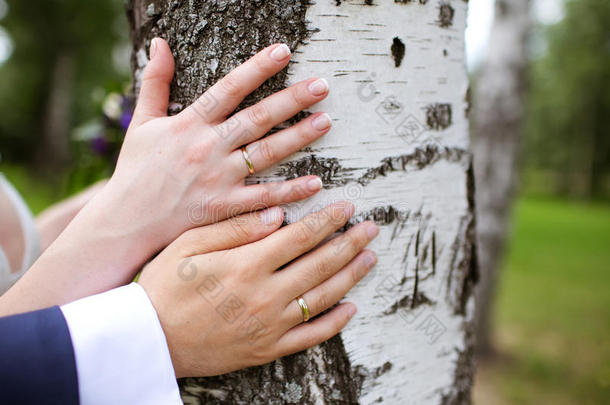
[120, 349]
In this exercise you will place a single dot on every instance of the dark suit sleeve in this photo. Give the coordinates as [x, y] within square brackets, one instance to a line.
[37, 363]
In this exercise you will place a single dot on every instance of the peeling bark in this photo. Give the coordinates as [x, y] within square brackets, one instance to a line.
[395, 150]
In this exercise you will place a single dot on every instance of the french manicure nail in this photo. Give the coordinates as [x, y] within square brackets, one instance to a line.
[318, 87]
[153, 48]
[271, 215]
[314, 184]
[280, 52]
[321, 122]
[372, 230]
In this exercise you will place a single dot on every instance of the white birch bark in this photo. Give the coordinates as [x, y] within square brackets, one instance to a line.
[499, 100]
[399, 151]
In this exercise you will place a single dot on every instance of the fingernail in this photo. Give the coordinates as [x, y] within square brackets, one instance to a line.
[370, 259]
[153, 48]
[372, 230]
[318, 87]
[280, 52]
[314, 184]
[321, 122]
[271, 215]
[351, 311]
[348, 209]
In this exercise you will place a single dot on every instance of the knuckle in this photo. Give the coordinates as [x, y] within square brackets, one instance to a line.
[151, 75]
[260, 354]
[355, 242]
[304, 132]
[230, 86]
[260, 63]
[301, 233]
[259, 115]
[197, 153]
[180, 124]
[322, 267]
[262, 305]
[266, 151]
[310, 340]
[240, 231]
[298, 96]
[264, 197]
[336, 214]
[322, 300]
[296, 192]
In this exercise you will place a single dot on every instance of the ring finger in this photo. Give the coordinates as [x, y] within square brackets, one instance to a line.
[325, 295]
[268, 151]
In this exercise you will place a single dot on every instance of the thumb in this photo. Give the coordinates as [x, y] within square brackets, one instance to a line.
[154, 91]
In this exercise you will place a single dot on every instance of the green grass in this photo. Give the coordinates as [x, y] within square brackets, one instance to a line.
[553, 311]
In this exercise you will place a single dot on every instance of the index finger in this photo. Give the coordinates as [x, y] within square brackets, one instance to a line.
[300, 237]
[222, 98]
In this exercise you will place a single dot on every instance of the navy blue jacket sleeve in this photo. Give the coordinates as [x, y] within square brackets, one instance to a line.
[37, 363]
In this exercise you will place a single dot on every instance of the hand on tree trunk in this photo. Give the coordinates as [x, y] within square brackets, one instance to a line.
[176, 173]
[224, 305]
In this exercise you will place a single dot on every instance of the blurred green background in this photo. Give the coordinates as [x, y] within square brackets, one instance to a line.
[65, 65]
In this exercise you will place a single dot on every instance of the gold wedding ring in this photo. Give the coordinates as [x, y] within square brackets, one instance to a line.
[304, 308]
[247, 159]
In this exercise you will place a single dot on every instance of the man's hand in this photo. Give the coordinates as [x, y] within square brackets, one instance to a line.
[224, 305]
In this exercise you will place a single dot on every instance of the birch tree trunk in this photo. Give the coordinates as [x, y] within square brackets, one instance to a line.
[398, 150]
[498, 117]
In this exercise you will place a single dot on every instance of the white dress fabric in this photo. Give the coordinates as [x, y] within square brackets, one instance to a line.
[30, 235]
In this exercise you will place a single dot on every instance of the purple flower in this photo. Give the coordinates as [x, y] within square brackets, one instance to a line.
[100, 145]
[125, 119]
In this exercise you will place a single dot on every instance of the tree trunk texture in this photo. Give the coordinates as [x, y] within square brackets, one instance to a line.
[499, 98]
[398, 150]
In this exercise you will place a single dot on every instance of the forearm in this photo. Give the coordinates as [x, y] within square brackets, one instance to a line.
[52, 221]
[95, 253]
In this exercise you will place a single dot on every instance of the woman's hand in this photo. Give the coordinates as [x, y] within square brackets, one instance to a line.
[188, 170]
[224, 305]
[175, 173]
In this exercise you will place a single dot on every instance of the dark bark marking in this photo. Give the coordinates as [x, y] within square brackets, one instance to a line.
[468, 101]
[398, 51]
[408, 301]
[328, 169]
[445, 15]
[416, 282]
[464, 254]
[411, 1]
[418, 159]
[433, 252]
[464, 371]
[334, 175]
[438, 116]
[380, 215]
